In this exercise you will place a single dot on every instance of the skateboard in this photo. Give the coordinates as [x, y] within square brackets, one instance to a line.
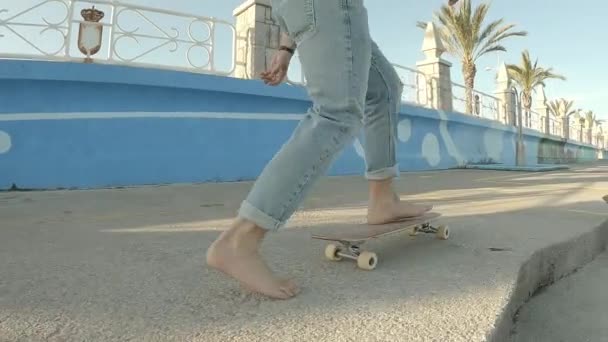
[348, 239]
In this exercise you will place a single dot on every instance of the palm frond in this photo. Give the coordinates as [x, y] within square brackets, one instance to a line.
[530, 75]
[466, 35]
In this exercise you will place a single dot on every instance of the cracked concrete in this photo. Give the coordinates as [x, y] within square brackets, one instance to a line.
[573, 309]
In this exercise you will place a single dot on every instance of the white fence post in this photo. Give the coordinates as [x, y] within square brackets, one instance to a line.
[505, 95]
[543, 110]
[257, 38]
[436, 69]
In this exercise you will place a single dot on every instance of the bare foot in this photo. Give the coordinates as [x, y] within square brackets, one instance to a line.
[235, 253]
[382, 211]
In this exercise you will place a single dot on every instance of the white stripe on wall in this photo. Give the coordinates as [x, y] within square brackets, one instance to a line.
[163, 115]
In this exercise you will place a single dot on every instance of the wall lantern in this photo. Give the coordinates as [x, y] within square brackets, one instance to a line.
[90, 33]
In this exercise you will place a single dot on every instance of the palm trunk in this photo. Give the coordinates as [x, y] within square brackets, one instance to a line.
[566, 127]
[469, 71]
[527, 102]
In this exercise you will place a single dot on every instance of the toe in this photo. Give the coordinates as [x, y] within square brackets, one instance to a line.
[290, 288]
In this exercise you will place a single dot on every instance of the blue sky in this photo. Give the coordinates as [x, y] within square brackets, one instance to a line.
[562, 35]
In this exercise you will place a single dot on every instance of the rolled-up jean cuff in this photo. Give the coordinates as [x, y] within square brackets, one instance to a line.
[261, 219]
[382, 174]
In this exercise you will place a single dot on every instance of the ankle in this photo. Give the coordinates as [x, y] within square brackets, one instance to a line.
[244, 231]
[381, 191]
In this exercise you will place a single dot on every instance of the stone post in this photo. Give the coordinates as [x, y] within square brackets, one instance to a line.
[543, 110]
[503, 92]
[436, 70]
[257, 38]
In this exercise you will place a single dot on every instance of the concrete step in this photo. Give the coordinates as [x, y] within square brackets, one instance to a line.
[573, 309]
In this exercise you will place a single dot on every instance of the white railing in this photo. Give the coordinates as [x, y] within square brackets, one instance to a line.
[533, 120]
[575, 132]
[483, 105]
[416, 86]
[131, 34]
[117, 32]
[555, 126]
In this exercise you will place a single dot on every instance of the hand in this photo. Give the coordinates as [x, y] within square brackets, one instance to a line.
[278, 68]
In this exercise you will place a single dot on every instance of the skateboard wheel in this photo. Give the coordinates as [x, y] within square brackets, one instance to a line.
[331, 252]
[443, 232]
[367, 261]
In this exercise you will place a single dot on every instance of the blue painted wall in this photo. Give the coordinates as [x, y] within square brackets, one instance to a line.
[66, 125]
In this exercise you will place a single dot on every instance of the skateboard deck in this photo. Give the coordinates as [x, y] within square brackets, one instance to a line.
[351, 237]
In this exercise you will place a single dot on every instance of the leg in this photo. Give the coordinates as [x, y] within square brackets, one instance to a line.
[335, 51]
[380, 125]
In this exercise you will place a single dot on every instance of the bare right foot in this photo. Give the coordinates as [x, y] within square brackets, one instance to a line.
[235, 253]
[382, 212]
[386, 207]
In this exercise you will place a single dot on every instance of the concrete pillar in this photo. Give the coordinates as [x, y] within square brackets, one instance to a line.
[543, 110]
[257, 38]
[436, 70]
[506, 110]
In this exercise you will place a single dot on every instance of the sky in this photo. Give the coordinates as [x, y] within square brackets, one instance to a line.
[563, 34]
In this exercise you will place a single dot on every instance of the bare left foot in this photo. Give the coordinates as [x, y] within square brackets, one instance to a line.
[235, 253]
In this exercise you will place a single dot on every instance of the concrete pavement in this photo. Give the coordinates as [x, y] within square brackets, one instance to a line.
[573, 309]
[127, 264]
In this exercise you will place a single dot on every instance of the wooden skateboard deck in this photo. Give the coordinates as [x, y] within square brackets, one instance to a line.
[351, 237]
[363, 232]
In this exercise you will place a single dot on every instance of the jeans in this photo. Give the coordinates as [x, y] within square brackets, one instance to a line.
[351, 85]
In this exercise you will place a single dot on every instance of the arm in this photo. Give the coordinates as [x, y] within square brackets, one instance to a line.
[286, 41]
[280, 62]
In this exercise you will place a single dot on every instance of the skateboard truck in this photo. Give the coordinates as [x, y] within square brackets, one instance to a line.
[368, 260]
[365, 260]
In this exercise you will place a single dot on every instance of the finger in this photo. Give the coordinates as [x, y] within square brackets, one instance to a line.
[276, 80]
[273, 79]
[280, 76]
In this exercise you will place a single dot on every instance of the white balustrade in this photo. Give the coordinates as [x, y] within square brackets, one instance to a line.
[129, 34]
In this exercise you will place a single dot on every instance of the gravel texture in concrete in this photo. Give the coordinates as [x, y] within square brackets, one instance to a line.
[127, 264]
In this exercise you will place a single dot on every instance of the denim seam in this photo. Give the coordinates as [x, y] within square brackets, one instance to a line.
[334, 138]
[311, 14]
[311, 21]
[305, 180]
[391, 120]
[254, 214]
[350, 55]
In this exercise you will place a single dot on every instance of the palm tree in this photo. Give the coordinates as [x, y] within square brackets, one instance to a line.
[563, 109]
[529, 76]
[464, 36]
